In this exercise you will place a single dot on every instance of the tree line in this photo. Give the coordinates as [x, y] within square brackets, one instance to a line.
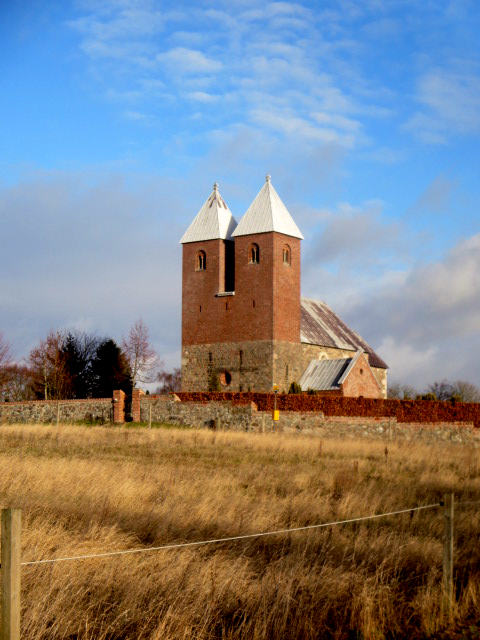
[74, 365]
[443, 391]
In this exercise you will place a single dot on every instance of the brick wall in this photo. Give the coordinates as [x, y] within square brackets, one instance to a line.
[267, 294]
[361, 381]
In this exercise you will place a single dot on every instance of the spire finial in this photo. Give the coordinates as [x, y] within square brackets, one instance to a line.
[268, 177]
[215, 186]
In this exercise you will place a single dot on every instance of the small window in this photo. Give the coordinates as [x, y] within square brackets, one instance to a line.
[225, 378]
[254, 253]
[201, 264]
[287, 255]
[253, 303]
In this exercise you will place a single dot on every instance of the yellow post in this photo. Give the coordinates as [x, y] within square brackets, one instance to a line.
[276, 412]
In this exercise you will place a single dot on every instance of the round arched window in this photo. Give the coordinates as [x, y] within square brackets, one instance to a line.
[254, 253]
[201, 263]
[225, 378]
[287, 255]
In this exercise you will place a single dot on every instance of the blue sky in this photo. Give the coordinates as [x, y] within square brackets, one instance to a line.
[118, 115]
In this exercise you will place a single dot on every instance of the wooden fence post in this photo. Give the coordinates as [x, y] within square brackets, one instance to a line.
[448, 550]
[11, 525]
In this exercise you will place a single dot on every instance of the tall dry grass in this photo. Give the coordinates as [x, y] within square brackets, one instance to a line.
[89, 490]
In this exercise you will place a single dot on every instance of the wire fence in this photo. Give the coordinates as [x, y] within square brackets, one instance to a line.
[180, 545]
[11, 553]
[198, 543]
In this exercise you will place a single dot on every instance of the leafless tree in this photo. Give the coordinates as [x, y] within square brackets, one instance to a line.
[170, 381]
[143, 359]
[401, 391]
[17, 385]
[5, 358]
[467, 391]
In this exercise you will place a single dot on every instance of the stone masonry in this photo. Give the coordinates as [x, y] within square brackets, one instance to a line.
[98, 411]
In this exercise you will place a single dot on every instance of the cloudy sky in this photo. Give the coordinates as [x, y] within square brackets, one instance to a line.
[117, 116]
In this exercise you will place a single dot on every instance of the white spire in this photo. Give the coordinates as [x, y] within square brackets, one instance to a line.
[267, 213]
[213, 221]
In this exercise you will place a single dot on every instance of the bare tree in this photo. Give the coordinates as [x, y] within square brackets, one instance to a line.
[170, 381]
[5, 359]
[17, 384]
[401, 391]
[467, 391]
[443, 390]
[143, 359]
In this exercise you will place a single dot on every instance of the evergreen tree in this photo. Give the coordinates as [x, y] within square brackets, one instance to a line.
[110, 370]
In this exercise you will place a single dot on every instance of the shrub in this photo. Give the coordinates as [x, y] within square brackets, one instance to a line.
[295, 388]
[214, 382]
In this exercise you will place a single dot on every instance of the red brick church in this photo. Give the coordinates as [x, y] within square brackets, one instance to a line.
[243, 316]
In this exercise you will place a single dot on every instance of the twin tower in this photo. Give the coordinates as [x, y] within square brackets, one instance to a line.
[241, 296]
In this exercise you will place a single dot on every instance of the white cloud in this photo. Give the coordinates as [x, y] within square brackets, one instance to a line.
[451, 101]
[182, 60]
[201, 96]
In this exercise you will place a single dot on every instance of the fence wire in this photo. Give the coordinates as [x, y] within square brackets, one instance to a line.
[180, 545]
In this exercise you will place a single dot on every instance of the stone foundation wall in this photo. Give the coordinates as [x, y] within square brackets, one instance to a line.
[47, 411]
[254, 365]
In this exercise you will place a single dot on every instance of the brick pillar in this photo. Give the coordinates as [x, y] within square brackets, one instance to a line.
[136, 395]
[118, 406]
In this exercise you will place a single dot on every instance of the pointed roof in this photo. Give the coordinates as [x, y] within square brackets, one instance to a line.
[320, 325]
[213, 221]
[267, 213]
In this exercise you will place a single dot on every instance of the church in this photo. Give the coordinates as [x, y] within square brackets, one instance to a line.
[243, 316]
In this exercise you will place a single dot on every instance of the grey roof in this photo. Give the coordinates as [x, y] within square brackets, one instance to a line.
[321, 326]
[329, 374]
[324, 375]
[213, 221]
[267, 213]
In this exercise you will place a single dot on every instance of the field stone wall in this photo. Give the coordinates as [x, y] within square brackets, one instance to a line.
[246, 417]
[47, 411]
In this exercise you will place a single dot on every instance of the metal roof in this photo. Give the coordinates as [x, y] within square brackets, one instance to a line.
[321, 326]
[213, 221]
[328, 374]
[324, 375]
[267, 213]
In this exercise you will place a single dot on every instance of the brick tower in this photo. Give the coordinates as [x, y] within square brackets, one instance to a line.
[241, 296]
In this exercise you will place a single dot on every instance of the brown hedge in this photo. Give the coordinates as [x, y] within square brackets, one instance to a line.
[402, 410]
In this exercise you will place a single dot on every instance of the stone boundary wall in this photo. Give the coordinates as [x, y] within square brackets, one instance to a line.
[97, 410]
[334, 405]
[226, 415]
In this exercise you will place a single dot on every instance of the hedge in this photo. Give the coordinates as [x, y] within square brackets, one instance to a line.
[402, 410]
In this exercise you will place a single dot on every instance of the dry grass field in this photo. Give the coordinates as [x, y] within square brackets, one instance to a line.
[90, 490]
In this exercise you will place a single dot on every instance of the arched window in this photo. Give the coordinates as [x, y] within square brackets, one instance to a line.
[253, 253]
[201, 264]
[225, 378]
[287, 255]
